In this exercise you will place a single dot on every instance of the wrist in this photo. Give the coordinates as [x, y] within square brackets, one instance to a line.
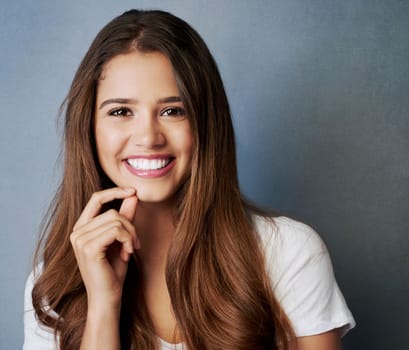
[105, 303]
[98, 311]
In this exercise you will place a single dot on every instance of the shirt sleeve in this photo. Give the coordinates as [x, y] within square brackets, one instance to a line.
[303, 279]
[36, 335]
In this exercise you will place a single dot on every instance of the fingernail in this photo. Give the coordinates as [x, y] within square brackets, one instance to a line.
[137, 244]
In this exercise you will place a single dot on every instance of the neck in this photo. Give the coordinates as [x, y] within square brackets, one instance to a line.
[155, 226]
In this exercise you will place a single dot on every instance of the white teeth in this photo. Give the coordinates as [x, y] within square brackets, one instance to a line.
[148, 164]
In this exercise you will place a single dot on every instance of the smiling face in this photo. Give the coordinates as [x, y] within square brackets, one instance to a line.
[142, 133]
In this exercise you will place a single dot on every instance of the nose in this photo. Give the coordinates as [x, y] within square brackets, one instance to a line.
[148, 132]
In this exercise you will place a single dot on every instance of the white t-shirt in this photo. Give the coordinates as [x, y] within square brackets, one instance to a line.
[301, 274]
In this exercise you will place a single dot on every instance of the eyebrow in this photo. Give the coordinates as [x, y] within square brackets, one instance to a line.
[133, 101]
[170, 99]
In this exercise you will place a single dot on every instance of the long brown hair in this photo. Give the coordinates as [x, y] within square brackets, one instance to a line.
[219, 288]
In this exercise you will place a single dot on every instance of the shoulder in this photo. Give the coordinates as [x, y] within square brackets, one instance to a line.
[292, 250]
[287, 231]
[302, 276]
[286, 241]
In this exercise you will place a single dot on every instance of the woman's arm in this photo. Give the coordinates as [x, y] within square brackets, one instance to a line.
[102, 245]
[326, 341]
[101, 329]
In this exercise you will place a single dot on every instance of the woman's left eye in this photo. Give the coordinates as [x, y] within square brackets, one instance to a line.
[173, 112]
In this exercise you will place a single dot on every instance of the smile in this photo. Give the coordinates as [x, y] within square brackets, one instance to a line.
[150, 167]
[148, 164]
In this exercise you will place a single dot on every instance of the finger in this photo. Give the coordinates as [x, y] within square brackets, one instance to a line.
[120, 265]
[128, 207]
[125, 240]
[128, 210]
[109, 217]
[98, 199]
[96, 243]
[81, 239]
[117, 253]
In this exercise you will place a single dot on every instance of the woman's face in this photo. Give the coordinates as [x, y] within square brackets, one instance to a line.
[143, 136]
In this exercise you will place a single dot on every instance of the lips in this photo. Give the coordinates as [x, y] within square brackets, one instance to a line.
[149, 166]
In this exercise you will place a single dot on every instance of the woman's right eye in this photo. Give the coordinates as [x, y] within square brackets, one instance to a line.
[120, 112]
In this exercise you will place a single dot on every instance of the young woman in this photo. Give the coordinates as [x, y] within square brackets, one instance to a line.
[150, 244]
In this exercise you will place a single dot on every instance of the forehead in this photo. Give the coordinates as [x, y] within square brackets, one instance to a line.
[137, 73]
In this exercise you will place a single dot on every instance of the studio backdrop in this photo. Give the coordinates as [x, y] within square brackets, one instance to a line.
[319, 92]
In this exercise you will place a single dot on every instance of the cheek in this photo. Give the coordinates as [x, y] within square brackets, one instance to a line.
[107, 140]
[186, 141]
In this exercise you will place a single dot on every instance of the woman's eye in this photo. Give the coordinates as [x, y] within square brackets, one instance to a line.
[120, 112]
[173, 112]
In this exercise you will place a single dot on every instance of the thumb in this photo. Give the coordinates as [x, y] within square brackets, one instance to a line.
[128, 207]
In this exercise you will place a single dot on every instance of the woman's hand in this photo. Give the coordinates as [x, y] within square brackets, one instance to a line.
[102, 245]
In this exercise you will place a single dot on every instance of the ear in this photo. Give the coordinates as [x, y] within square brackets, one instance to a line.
[128, 207]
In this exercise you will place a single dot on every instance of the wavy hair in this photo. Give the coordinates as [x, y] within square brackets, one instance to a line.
[220, 291]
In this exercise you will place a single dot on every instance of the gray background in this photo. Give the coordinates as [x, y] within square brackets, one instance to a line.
[319, 92]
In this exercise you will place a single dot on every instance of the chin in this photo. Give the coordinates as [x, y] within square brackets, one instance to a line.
[153, 198]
